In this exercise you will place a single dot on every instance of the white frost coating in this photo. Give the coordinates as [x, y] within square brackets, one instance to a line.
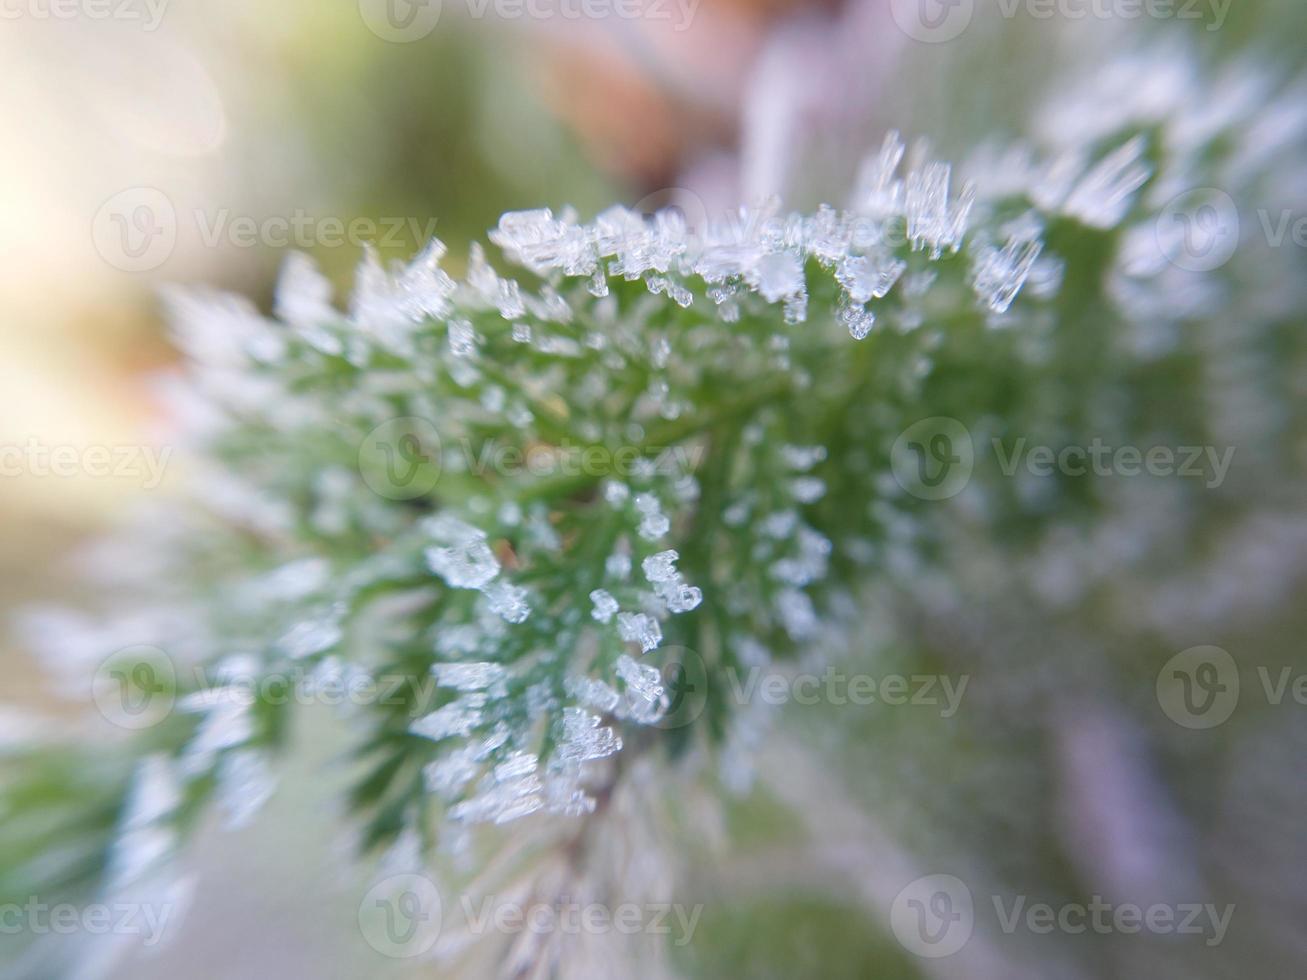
[465, 561]
[447, 776]
[593, 693]
[156, 792]
[310, 637]
[303, 301]
[582, 738]
[998, 275]
[618, 565]
[226, 722]
[797, 614]
[456, 718]
[510, 602]
[472, 677]
[1104, 195]
[388, 303]
[807, 489]
[485, 284]
[245, 784]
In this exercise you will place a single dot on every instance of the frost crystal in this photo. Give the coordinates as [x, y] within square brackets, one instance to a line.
[593, 693]
[472, 677]
[387, 304]
[456, 718]
[644, 690]
[508, 601]
[466, 562]
[446, 777]
[639, 628]
[999, 275]
[155, 794]
[660, 567]
[605, 606]
[583, 738]
[869, 277]
[311, 637]
[779, 276]
[797, 614]
[653, 523]
[618, 565]
[660, 570]
[807, 489]
[802, 458]
[1103, 196]
[935, 221]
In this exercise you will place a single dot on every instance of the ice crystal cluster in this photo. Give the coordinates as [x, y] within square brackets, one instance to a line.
[540, 482]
